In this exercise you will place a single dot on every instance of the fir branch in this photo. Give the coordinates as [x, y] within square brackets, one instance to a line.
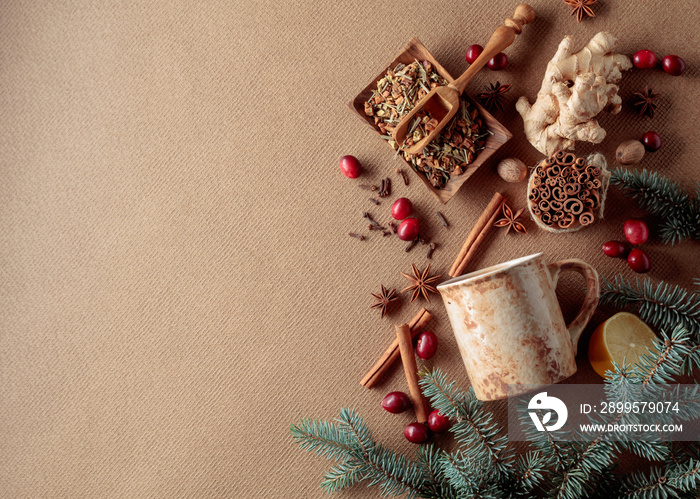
[394, 473]
[691, 361]
[662, 197]
[529, 473]
[459, 471]
[686, 476]
[589, 462]
[475, 429]
[654, 192]
[664, 361]
[356, 429]
[483, 467]
[638, 485]
[362, 458]
[470, 480]
[670, 356]
[554, 451]
[607, 484]
[677, 480]
[430, 463]
[450, 401]
[657, 368]
[662, 306]
[652, 451]
[342, 476]
[323, 438]
[675, 454]
[674, 230]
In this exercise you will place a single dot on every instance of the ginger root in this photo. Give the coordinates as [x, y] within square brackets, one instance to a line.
[575, 88]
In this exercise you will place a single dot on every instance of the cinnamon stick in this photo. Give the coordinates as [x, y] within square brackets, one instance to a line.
[478, 233]
[420, 406]
[392, 353]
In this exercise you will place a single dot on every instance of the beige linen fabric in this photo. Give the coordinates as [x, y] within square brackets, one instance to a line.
[176, 281]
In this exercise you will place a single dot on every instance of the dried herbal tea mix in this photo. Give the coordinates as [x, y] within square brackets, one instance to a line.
[456, 145]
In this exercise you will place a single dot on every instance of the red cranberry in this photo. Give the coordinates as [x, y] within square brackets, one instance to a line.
[408, 229]
[350, 166]
[639, 261]
[498, 62]
[636, 231]
[651, 141]
[396, 402]
[437, 422]
[615, 249]
[416, 433]
[673, 65]
[645, 59]
[401, 208]
[427, 345]
[473, 53]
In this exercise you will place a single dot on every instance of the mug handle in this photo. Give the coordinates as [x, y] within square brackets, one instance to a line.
[592, 294]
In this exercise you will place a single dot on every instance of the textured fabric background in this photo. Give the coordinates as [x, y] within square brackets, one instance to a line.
[176, 281]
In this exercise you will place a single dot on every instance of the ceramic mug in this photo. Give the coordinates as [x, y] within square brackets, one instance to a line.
[509, 326]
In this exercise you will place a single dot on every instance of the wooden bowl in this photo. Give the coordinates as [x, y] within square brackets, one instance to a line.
[415, 50]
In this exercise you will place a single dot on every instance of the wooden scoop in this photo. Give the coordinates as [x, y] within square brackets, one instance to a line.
[442, 102]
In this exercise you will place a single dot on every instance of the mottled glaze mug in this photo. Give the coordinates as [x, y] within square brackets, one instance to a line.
[509, 326]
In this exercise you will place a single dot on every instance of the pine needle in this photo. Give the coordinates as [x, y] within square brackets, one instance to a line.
[475, 429]
[484, 466]
[679, 213]
[662, 306]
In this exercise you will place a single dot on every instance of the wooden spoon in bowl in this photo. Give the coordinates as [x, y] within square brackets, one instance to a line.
[442, 102]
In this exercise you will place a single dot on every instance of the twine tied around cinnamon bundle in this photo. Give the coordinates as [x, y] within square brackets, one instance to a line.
[566, 192]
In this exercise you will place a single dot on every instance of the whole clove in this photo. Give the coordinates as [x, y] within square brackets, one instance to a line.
[375, 227]
[356, 236]
[442, 218]
[385, 187]
[411, 245]
[403, 175]
[375, 201]
[393, 227]
[369, 218]
[386, 233]
[431, 248]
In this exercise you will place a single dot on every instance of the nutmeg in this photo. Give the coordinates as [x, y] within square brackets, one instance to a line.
[512, 170]
[630, 152]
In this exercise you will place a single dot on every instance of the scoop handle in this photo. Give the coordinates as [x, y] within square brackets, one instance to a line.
[501, 38]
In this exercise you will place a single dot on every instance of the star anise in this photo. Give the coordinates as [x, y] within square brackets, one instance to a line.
[643, 102]
[493, 97]
[382, 300]
[581, 7]
[422, 283]
[510, 220]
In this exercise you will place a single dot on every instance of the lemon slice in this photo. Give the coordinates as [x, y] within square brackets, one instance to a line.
[623, 337]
